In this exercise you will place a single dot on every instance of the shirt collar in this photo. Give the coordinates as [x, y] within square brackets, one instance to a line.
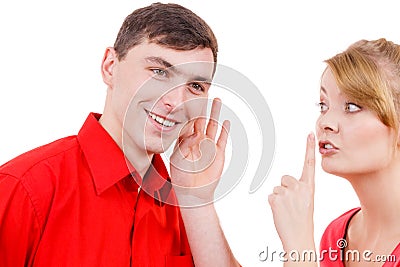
[157, 183]
[107, 162]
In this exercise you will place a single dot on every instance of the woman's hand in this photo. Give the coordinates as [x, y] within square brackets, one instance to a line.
[292, 205]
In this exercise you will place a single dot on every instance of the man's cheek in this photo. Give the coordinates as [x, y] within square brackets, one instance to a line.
[197, 108]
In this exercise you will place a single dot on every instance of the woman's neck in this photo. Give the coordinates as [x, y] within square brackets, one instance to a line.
[379, 195]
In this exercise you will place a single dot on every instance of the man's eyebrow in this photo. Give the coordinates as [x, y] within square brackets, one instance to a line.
[202, 79]
[159, 61]
[166, 64]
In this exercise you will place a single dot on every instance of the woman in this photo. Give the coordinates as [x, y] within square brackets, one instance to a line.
[359, 140]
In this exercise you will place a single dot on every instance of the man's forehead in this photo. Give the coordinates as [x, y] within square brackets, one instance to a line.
[197, 71]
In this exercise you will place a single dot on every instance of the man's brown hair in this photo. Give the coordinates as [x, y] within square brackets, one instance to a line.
[169, 25]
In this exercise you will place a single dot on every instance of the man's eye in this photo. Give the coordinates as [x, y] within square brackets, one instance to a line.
[197, 88]
[159, 72]
[322, 107]
[351, 107]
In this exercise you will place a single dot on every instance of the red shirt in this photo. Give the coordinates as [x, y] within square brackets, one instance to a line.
[333, 242]
[73, 202]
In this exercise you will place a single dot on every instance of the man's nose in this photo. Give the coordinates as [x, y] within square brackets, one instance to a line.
[175, 98]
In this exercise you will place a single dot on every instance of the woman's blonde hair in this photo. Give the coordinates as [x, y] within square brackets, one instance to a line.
[368, 72]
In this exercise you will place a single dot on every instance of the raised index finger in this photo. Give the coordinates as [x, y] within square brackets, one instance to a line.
[309, 161]
[212, 126]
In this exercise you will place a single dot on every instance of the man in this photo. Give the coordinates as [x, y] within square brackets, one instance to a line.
[104, 197]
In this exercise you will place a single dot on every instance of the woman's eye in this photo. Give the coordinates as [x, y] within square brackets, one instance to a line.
[351, 107]
[159, 72]
[322, 107]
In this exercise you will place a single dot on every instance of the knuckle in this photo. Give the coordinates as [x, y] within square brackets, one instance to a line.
[213, 122]
[277, 189]
[285, 178]
[271, 200]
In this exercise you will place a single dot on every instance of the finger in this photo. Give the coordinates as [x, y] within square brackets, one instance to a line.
[183, 135]
[200, 121]
[289, 181]
[212, 126]
[199, 124]
[279, 190]
[187, 144]
[308, 175]
[223, 136]
[271, 199]
[186, 131]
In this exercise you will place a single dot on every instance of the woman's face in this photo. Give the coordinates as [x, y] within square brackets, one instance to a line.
[352, 139]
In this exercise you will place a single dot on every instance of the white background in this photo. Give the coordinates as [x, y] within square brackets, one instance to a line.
[50, 80]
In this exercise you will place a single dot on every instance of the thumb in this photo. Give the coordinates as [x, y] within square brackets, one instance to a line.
[184, 133]
[308, 175]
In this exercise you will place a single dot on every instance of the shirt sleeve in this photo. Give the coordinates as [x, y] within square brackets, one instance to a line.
[19, 226]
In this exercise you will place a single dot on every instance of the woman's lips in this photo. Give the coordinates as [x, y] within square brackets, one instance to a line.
[327, 148]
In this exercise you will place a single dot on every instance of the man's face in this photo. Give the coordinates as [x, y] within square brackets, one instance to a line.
[156, 91]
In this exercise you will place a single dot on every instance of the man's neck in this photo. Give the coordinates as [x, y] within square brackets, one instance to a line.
[138, 158]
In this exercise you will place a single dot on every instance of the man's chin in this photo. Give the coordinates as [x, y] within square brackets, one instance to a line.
[158, 148]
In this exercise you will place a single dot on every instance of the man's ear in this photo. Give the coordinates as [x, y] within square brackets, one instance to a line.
[107, 66]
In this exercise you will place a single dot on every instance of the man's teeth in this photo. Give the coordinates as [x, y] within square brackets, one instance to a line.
[328, 146]
[162, 121]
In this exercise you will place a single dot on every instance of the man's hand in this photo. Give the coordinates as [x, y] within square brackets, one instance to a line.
[198, 160]
[196, 167]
